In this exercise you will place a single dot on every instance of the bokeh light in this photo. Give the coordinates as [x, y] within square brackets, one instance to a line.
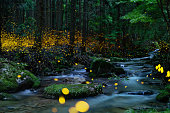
[82, 106]
[72, 110]
[61, 100]
[54, 110]
[65, 91]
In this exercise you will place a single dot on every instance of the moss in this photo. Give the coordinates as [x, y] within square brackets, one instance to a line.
[9, 71]
[8, 85]
[163, 96]
[75, 90]
[167, 88]
[34, 79]
[117, 59]
[100, 67]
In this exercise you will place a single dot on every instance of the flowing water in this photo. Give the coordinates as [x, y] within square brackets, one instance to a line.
[116, 101]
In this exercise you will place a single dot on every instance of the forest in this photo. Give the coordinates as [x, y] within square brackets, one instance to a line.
[76, 56]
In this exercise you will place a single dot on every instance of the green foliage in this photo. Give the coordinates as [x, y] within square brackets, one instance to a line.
[75, 90]
[117, 59]
[137, 16]
[163, 96]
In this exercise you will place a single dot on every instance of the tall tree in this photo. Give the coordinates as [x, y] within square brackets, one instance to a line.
[84, 32]
[73, 22]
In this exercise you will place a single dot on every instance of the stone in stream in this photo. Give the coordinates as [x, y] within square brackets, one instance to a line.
[148, 92]
[74, 80]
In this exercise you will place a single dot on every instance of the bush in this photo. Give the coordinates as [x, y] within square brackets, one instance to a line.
[163, 96]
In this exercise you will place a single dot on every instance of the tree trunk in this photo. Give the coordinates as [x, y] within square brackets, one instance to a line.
[73, 21]
[84, 32]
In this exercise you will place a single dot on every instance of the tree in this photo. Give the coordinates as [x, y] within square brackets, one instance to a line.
[72, 30]
[85, 24]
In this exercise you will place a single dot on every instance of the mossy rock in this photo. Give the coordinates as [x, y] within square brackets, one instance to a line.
[100, 67]
[117, 59]
[163, 96]
[9, 72]
[75, 90]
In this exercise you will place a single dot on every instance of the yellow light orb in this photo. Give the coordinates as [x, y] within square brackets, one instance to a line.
[72, 110]
[156, 67]
[82, 106]
[115, 87]
[168, 74]
[19, 76]
[65, 91]
[162, 70]
[87, 82]
[92, 79]
[90, 70]
[153, 78]
[125, 86]
[142, 82]
[137, 80]
[159, 65]
[103, 86]
[116, 84]
[85, 68]
[61, 100]
[58, 61]
[55, 79]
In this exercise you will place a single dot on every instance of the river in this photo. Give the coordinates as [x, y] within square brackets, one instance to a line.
[131, 93]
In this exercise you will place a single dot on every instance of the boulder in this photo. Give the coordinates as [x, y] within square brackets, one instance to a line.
[149, 92]
[73, 80]
[75, 90]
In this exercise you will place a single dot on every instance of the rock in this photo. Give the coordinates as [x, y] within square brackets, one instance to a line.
[101, 68]
[75, 90]
[7, 97]
[9, 79]
[118, 70]
[149, 92]
[74, 80]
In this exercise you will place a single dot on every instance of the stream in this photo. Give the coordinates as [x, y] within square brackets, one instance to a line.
[138, 92]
